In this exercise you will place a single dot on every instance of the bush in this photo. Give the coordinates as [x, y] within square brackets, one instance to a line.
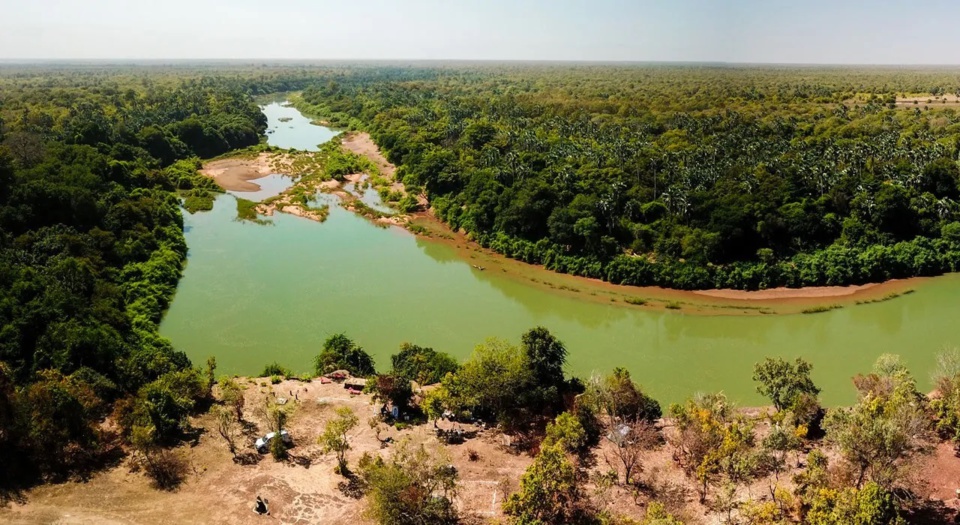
[167, 469]
[274, 369]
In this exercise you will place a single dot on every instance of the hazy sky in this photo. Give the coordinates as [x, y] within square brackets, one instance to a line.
[804, 31]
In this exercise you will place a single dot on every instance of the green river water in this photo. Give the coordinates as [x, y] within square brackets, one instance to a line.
[252, 294]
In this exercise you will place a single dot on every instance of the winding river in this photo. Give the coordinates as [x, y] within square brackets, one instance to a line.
[252, 294]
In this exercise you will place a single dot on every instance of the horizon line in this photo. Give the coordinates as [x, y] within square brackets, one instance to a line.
[28, 61]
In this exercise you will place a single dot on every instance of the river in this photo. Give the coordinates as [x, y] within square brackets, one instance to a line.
[252, 294]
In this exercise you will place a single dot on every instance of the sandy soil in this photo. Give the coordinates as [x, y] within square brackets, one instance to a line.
[362, 144]
[788, 293]
[235, 174]
[929, 100]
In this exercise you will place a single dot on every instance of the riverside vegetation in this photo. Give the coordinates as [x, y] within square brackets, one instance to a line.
[686, 177]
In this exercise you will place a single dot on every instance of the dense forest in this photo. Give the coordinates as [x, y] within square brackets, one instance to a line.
[685, 177]
[91, 249]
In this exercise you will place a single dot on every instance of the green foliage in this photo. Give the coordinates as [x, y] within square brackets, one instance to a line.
[546, 356]
[549, 491]
[91, 242]
[618, 396]
[58, 413]
[567, 432]
[946, 404]
[335, 436]
[163, 406]
[341, 353]
[423, 365]
[788, 386]
[493, 381]
[886, 430]
[247, 211]
[713, 443]
[870, 505]
[758, 178]
[657, 515]
[231, 394]
[414, 487]
[275, 369]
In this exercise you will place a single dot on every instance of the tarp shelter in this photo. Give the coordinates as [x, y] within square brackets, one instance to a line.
[355, 383]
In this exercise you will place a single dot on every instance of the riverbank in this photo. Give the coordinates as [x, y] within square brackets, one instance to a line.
[718, 302]
[240, 173]
[703, 302]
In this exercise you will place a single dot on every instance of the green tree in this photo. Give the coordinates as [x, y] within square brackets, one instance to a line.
[424, 365]
[392, 389]
[946, 403]
[341, 353]
[336, 439]
[227, 428]
[413, 487]
[494, 381]
[232, 395]
[549, 490]
[886, 430]
[621, 398]
[712, 443]
[567, 432]
[546, 356]
[870, 505]
[784, 383]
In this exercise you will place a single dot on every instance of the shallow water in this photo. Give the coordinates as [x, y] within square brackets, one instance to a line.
[370, 197]
[270, 186]
[297, 133]
[253, 294]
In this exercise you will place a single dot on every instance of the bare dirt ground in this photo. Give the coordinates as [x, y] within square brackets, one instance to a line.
[235, 174]
[362, 144]
[789, 293]
[305, 489]
[302, 490]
